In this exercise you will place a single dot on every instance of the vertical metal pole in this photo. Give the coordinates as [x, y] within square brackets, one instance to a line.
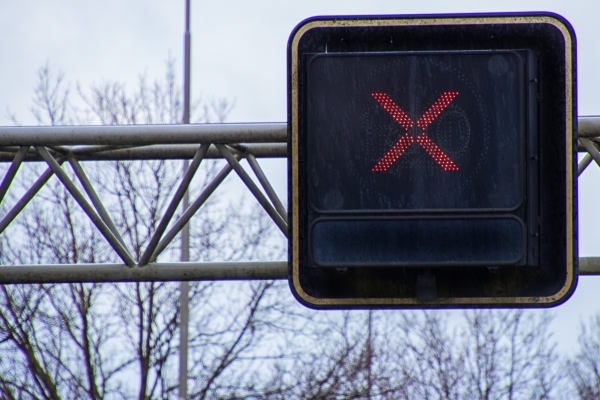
[185, 233]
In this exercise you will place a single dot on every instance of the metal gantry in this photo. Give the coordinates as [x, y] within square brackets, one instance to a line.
[71, 144]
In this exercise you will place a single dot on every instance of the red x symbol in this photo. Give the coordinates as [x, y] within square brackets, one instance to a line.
[422, 139]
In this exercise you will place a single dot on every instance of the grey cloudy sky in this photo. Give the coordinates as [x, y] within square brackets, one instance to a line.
[239, 51]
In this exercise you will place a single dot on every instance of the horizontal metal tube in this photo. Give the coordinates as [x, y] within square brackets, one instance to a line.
[141, 135]
[589, 266]
[588, 126]
[165, 152]
[157, 152]
[188, 271]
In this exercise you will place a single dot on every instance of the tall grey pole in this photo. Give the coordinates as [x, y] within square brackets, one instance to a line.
[185, 233]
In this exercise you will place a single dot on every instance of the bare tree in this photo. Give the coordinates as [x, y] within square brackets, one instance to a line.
[510, 355]
[51, 98]
[88, 340]
[247, 340]
[432, 360]
[584, 367]
[406, 355]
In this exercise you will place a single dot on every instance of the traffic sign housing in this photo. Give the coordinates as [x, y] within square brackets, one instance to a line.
[432, 161]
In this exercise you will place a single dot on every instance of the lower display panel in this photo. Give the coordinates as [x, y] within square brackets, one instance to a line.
[384, 241]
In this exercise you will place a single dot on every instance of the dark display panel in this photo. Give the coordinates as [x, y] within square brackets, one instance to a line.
[415, 131]
[406, 241]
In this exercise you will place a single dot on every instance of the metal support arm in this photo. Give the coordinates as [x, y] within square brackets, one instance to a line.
[232, 142]
[175, 272]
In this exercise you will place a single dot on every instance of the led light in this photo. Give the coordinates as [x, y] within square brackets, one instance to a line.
[436, 109]
[396, 112]
[422, 139]
[394, 153]
[436, 153]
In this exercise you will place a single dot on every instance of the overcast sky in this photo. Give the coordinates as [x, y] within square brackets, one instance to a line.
[239, 51]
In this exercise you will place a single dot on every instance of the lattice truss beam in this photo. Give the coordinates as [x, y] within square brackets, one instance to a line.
[589, 142]
[57, 146]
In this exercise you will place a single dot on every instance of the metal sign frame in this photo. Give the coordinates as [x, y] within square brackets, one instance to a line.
[310, 286]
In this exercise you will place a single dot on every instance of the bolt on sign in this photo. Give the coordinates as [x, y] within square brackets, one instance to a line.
[432, 161]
